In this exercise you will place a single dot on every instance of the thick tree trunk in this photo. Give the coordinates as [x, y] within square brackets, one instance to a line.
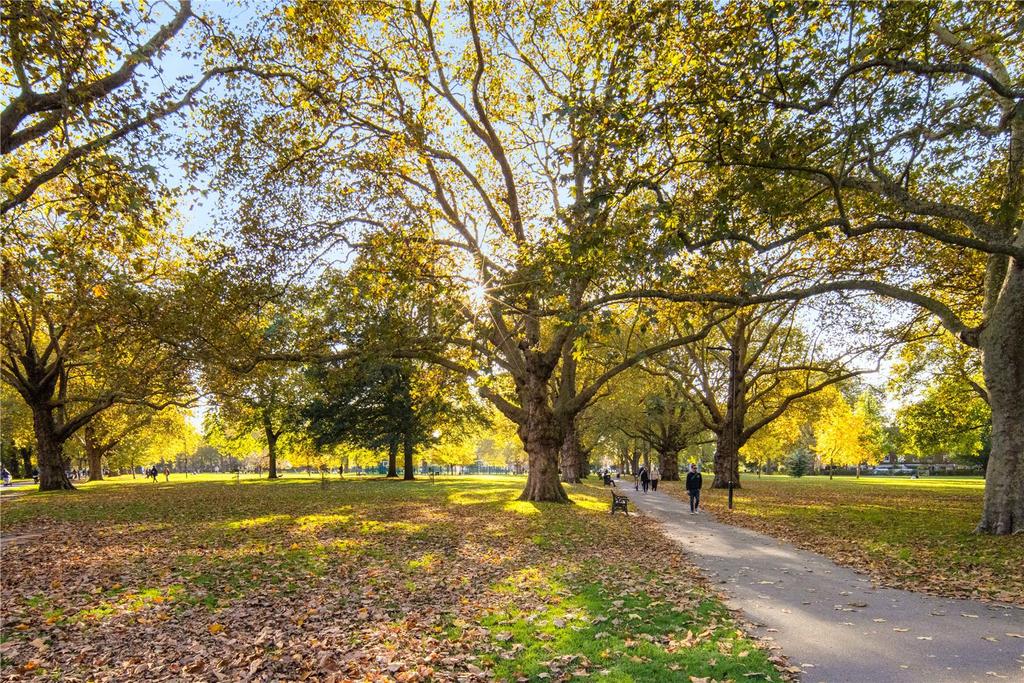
[393, 459]
[1002, 345]
[95, 464]
[727, 459]
[93, 453]
[730, 437]
[542, 440]
[271, 435]
[572, 456]
[407, 463]
[49, 452]
[668, 463]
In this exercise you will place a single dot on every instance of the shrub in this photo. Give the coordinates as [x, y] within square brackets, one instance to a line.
[799, 462]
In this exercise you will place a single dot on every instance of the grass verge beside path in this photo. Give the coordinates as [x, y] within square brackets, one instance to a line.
[360, 580]
[907, 533]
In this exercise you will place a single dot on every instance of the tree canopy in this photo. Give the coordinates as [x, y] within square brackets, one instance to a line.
[626, 228]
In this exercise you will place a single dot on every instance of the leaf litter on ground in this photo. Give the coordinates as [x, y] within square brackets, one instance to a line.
[359, 581]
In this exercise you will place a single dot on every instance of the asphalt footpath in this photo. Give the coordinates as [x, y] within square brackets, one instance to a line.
[833, 622]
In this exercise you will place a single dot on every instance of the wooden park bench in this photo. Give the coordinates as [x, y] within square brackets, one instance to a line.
[620, 503]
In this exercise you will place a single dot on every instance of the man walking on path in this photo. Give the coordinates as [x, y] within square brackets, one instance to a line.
[694, 482]
[645, 478]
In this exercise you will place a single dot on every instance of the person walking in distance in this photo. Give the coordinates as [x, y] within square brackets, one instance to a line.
[694, 482]
[655, 477]
[645, 478]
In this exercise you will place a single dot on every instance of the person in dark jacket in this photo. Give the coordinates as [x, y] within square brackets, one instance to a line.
[694, 482]
[645, 478]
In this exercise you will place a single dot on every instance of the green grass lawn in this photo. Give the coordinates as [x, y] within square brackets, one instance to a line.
[913, 533]
[367, 579]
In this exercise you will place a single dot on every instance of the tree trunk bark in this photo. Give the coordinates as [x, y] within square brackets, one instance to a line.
[668, 463]
[407, 461]
[26, 456]
[542, 440]
[727, 459]
[1002, 346]
[571, 454]
[95, 464]
[393, 459]
[730, 438]
[49, 452]
[271, 435]
[93, 453]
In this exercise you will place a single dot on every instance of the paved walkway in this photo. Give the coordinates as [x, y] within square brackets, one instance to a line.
[16, 489]
[832, 622]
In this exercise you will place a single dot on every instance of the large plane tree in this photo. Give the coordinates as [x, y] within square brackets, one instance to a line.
[887, 139]
[456, 129]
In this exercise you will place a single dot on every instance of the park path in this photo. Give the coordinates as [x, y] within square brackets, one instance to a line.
[18, 488]
[831, 621]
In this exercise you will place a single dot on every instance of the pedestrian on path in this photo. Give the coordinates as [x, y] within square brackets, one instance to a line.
[645, 478]
[655, 477]
[694, 482]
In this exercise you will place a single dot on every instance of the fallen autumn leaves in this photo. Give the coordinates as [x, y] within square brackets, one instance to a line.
[373, 580]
